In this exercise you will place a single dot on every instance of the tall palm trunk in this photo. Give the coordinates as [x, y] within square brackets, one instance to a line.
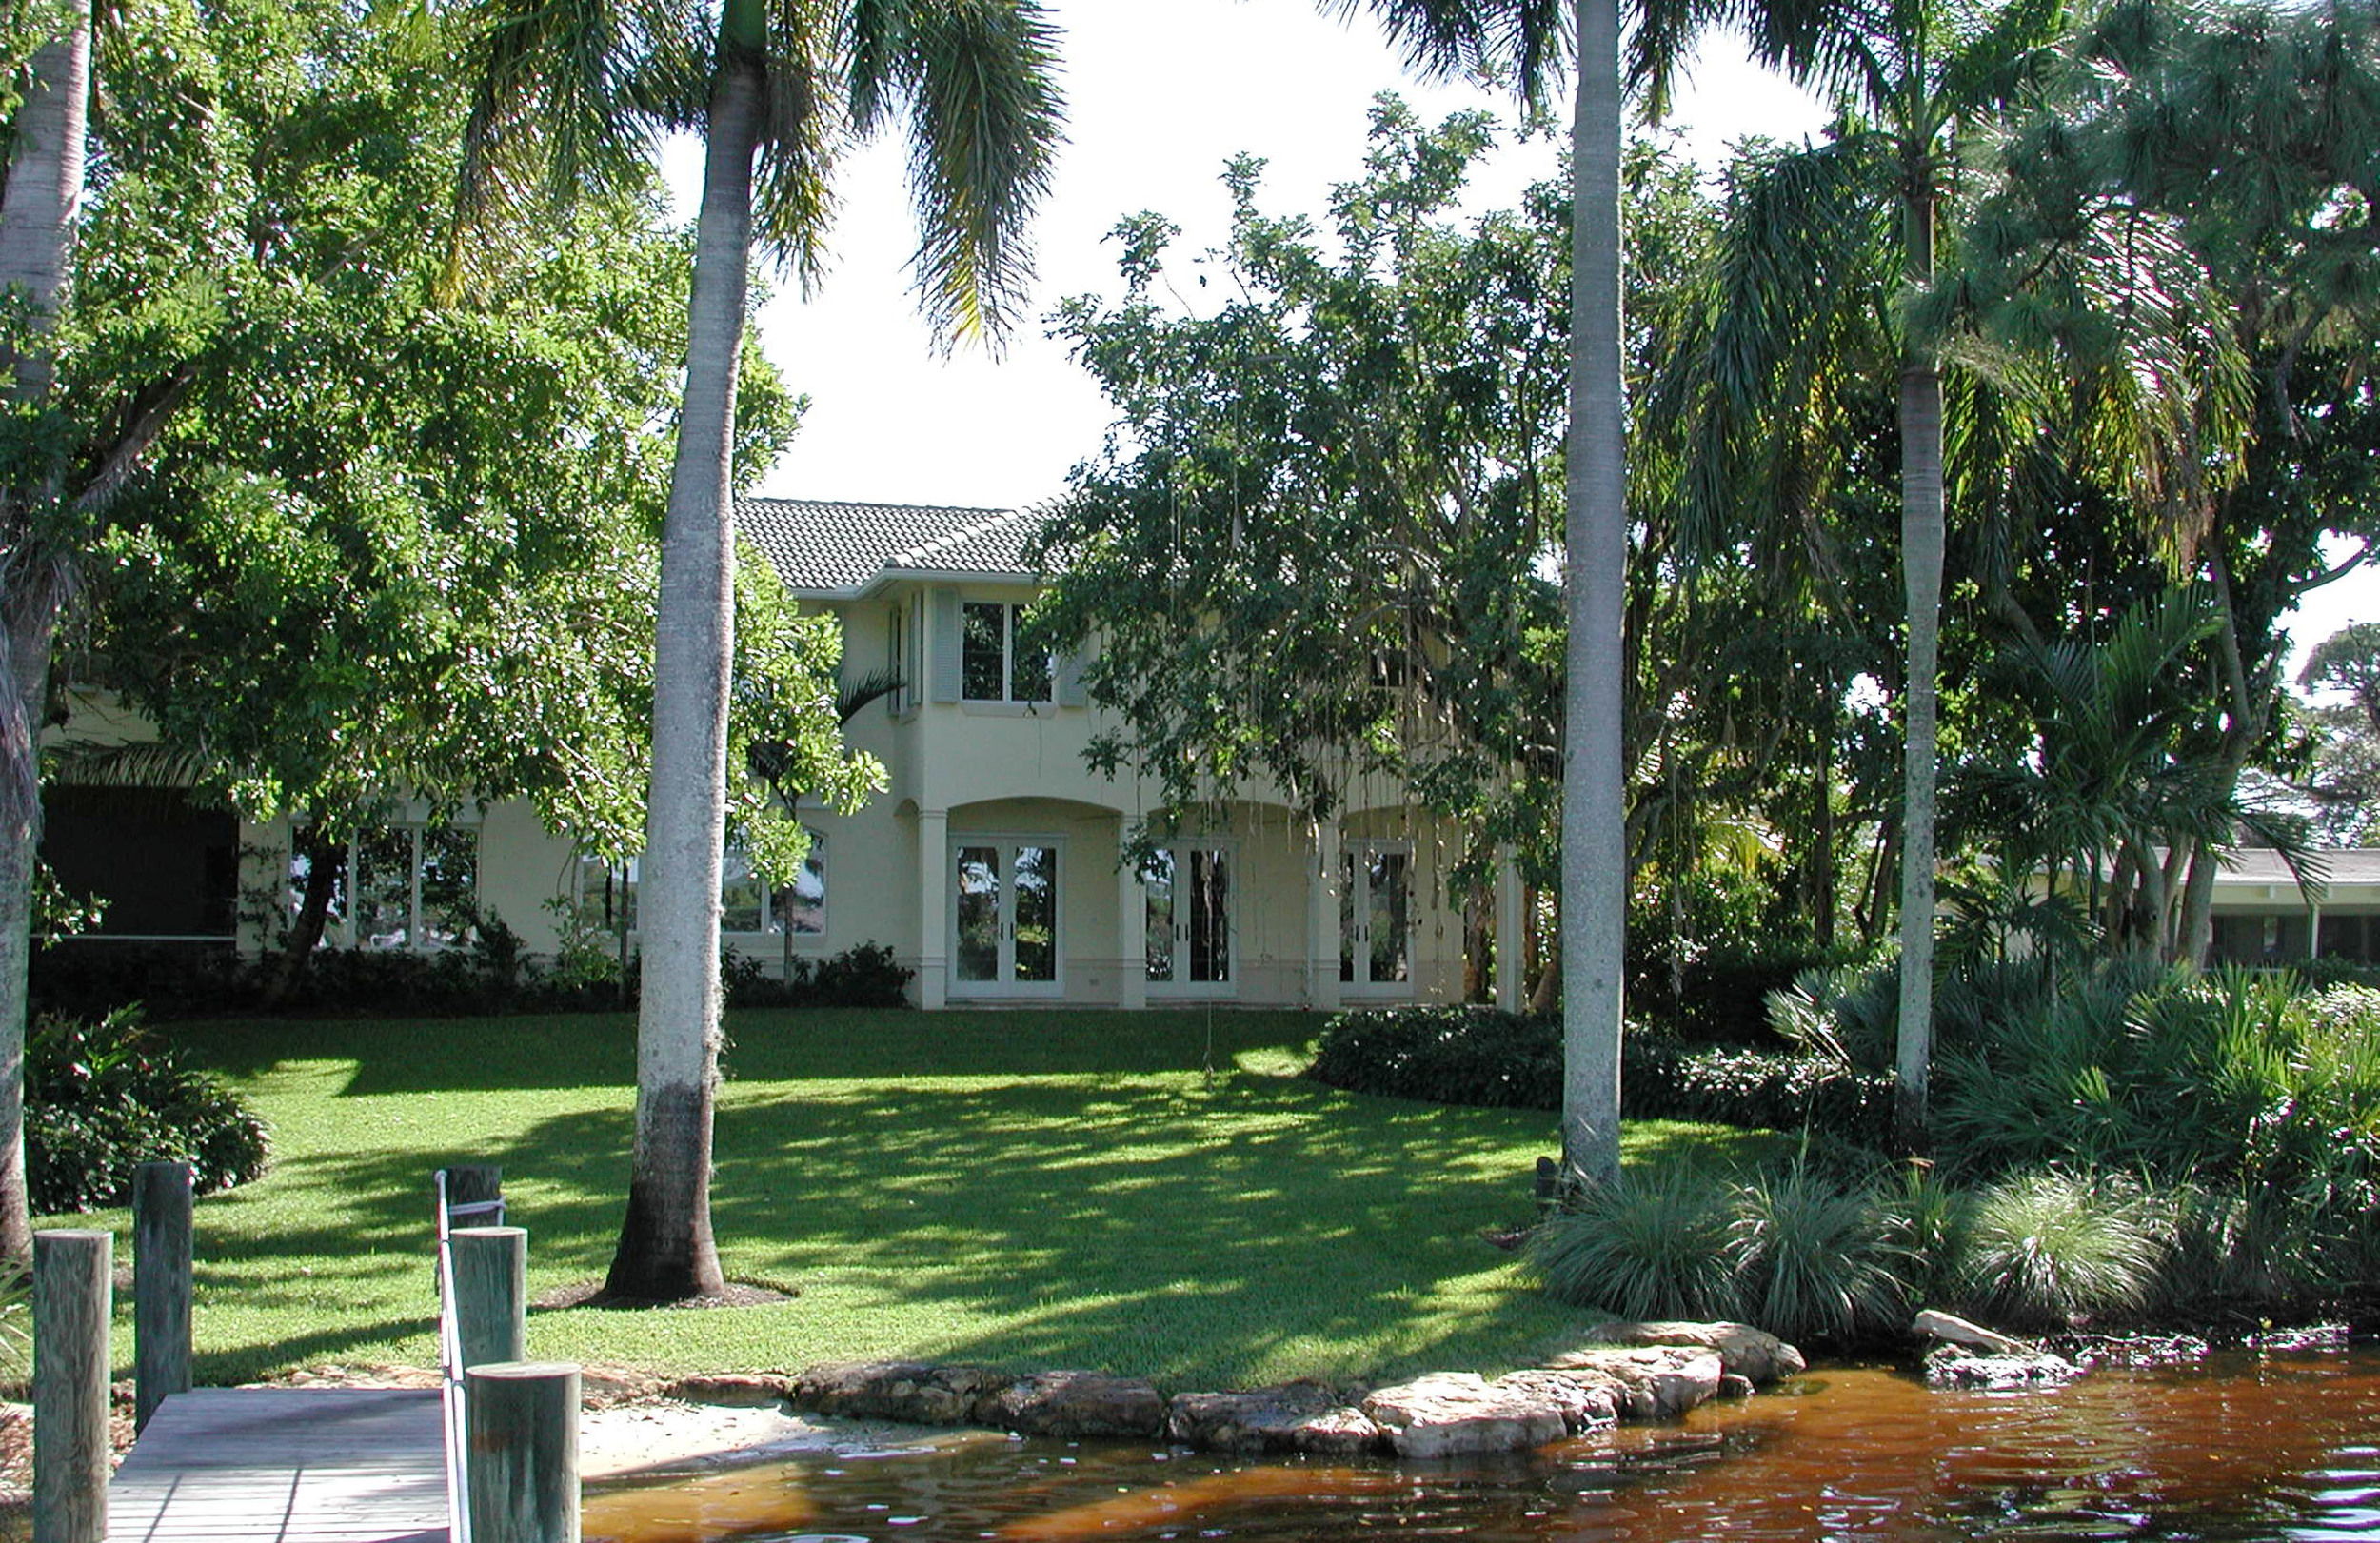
[666, 1252]
[38, 209]
[1596, 536]
[1922, 543]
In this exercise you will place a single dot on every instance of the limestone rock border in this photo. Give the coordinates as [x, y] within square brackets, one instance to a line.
[1623, 1371]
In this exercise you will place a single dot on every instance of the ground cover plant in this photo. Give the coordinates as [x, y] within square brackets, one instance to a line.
[1153, 1193]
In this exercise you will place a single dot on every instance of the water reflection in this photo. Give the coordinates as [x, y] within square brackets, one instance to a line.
[2239, 1451]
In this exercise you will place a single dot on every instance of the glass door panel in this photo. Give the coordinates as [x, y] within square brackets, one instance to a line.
[1004, 927]
[1033, 932]
[1157, 888]
[1388, 888]
[981, 899]
[1376, 918]
[1187, 939]
[1209, 933]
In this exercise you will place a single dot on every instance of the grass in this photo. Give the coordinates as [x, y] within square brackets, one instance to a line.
[1152, 1194]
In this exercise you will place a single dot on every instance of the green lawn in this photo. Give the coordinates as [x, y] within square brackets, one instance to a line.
[1154, 1194]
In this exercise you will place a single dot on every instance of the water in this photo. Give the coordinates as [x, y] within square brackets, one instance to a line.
[2236, 1450]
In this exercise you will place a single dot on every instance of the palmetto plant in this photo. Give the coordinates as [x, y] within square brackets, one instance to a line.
[575, 94]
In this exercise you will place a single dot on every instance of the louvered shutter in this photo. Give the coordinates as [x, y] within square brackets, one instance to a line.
[944, 643]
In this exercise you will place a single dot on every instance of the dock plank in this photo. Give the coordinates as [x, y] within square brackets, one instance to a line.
[288, 1465]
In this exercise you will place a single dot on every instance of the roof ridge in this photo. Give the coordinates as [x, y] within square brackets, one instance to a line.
[872, 503]
[914, 556]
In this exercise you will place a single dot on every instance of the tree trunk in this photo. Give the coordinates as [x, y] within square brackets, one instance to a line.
[1922, 541]
[667, 1252]
[325, 865]
[38, 209]
[1595, 884]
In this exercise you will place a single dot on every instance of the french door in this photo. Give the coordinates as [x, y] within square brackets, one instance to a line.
[1005, 923]
[1188, 921]
[1376, 918]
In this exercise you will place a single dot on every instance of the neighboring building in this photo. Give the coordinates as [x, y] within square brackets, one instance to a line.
[2261, 916]
[989, 865]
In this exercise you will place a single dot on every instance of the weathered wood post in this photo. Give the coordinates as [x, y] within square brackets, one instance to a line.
[523, 1477]
[475, 1193]
[73, 1281]
[490, 1293]
[161, 1285]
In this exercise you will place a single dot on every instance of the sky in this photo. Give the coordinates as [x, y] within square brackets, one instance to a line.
[1159, 97]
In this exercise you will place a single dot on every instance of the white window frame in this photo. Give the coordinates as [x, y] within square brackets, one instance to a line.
[342, 928]
[1010, 611]
[628, 867]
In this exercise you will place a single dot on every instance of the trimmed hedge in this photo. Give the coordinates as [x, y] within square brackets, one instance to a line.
[90, 978]
[1498, 1060]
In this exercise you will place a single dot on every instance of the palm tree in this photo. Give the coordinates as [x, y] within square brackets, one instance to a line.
[1911, 77]
[573, 95]
[1521, 42]
[38, 210]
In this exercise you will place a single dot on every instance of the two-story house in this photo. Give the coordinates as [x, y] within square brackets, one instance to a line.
[990, 864]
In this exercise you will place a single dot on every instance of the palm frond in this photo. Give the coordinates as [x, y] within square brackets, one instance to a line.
[557, 109]
[978, 85]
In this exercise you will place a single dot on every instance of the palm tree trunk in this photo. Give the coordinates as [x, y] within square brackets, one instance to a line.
[1922, 541]
[666, 1252]
[38, 209]
[1595, 535]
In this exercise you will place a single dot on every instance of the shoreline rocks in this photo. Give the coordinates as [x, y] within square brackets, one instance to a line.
[1632, 1372]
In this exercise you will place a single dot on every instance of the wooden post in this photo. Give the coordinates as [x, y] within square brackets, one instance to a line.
[72, 1280]
[521, 1476]
[492, 1293]
[161, 1285]
[475, 1184]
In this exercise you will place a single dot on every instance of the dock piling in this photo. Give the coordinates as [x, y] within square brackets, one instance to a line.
[72, 1296]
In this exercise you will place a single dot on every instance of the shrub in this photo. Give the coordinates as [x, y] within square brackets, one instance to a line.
[1773, 1089]
[862, 976]
[2049, 1249]
[1815, 1258]
[1504, 1060]
[1641, 1248]
[1444, 1054]
[103, 1097]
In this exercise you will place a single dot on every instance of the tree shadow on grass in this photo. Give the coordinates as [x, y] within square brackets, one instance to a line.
[1166, 1226]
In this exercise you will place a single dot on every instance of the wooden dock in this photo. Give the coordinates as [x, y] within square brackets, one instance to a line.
[289, 1465]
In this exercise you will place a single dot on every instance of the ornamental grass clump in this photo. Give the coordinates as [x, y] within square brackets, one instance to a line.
[1815, 1258]
[2047, 1250]
[1641, 1247]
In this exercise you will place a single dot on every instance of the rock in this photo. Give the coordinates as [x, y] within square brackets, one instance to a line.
[1078, 1404]
[735, 1389]
[1588, 1400]
[2288, 1341]
[1734, 1387]
[914, 1392]
[2097, 1350]
[1953, 1366]
[1657, 1382]
[1746, 1352]
[1295, 1416]
[1454, 1414]
[1957, 1331]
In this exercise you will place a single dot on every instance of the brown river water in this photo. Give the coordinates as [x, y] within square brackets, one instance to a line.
[2236, 1449]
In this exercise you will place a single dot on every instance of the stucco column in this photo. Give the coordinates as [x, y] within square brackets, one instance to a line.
[1322, 919]
[933, 906]
[1132, 966]
[1511, 990]
[2313, 932]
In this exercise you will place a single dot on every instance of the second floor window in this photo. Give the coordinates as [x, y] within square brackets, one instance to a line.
[991, 667]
